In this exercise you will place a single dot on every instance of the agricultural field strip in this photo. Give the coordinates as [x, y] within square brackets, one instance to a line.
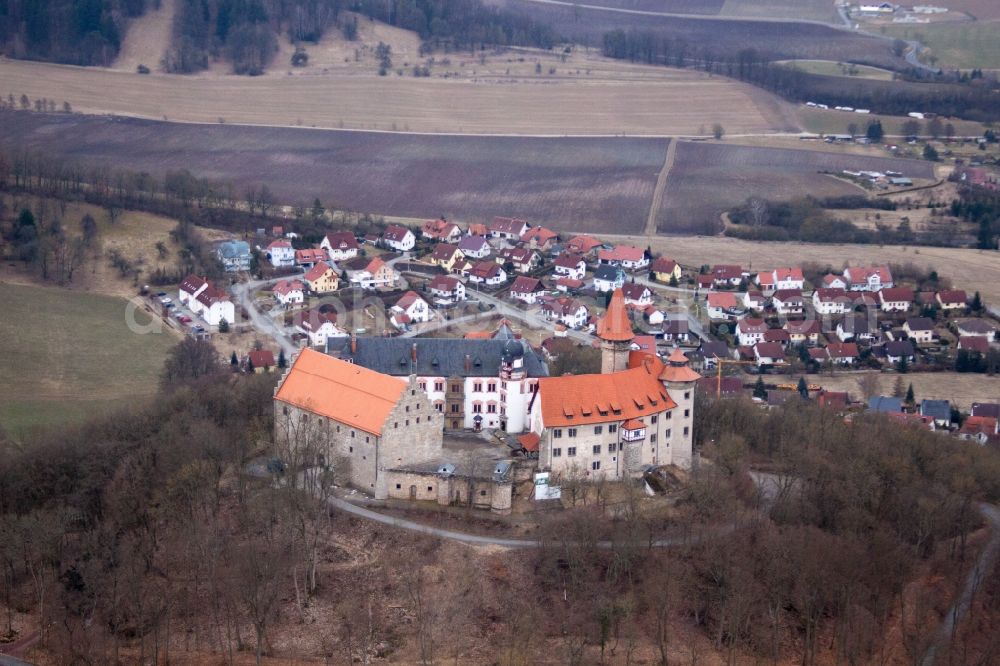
[564, 107]
[700, 17]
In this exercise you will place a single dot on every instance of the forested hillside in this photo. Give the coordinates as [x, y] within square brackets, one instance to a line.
[246, 32]
[77, 32]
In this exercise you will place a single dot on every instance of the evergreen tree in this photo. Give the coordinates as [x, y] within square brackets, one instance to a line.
[910, 398]
[282, 361]
[874, 133]
[234, 362]
[904, 365]
[977, 302]
[803, 388]
[249, 364]
[759, 390]
[223, 326]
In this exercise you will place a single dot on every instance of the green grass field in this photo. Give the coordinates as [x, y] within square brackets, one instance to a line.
[965, 45]
[69, 355]
[836, 122]
[831, 68]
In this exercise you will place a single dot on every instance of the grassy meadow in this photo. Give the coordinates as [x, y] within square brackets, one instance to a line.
[68, 355]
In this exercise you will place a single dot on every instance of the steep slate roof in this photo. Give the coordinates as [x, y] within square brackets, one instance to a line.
[618, 396]
[938, 409]
[436, 357]
[885, 404]
[342, 240]
[919, 324]
[976, 326]
[344, 392]
[608, 273]
[615, 324]
[395, 233]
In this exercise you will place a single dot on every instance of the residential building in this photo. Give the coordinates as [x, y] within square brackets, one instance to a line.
[897, 350]
[322, 279]
[507, 228]
[676, 331]
[778, 335]
[858, 327]
[473, 383]
[309, 257]
[340, 245]
[474, 247]
[628, 257]
[566, 310]
[883, 404]
[234, 255]
[974, 343]
[488, 273]
[951, 299]
[727, 275]
[260, 360]
[446, 255]
[447, 289]
[540, 238]
[206, 300]
[398, 238]
[441, 231]
[803, 332]
[895, 299]
[769, 353]
[750, 331]
[477, 229]
[979, 429]
[663, 269]
[843, 353]
[638, 295]
[988, 409]
[978, 328]
[570, 265]
[608, 277]
[371, 273]
[755, 300]
[521, 259]
[765, 280]
[369, 422]
[289, 292]
[526, 289]
[713, 351]
[788, 301]
[583, 246]
[281, 254]
[788, 278]
[723, 305]
[920, 330]
[831, 300]
[868, 278]
[831, 281]
[318, 327]
[414, 307]
[939, 410]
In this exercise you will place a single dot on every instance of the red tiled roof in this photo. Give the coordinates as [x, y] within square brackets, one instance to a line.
[663, 265]
[582, 244]
[677, 369]
[444, 283]
[524, 284]
[788, 274]
[311, 255]
[727, 272]
[444, 251]
[952, 297]
[841, 350]
[540, 235]
[770, 350]
[633, 291]
[751, 325]
[408, 299]
[568, 260]
[831, 294]
[285, 287]
[507, 225]
[974, 343]
[485, 269]
[584, 399]
[788, 296]
[318, 271]
[621, 253]
[896, 294]
[615, 325]
[192, 283]
[262, 358]
[279, 244]
[395, 232]
[529, 441]
[342, 391]
[722, 299]
[342, 240]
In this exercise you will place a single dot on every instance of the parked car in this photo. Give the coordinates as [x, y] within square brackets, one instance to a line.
[161, 294]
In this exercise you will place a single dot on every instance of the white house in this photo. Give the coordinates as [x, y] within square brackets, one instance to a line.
[750, 331]
[829, 300]
[206, 300]
[340, 246]
[628, 257]
[281, 254]
[977, 328]
[722, 305]
[447, 289]
[769, 353]
[441, 230]
[868, 278]
[895, 299]
[788, 278]
[489, 273]
[788, 301]
[637, 294]
[608, 277]
[475, 247]
[526, 289]
[568, 311]
[289, 292]
[399, 238]
[522, 259]
[508, 228]
[920, 330]
[831, 281]
[411, 308]
[755, 300]
[570, 266]
[318, 326]
[234, 255]
[856, 327]
[951, 299]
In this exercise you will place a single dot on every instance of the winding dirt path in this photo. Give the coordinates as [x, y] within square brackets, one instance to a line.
[661, 186]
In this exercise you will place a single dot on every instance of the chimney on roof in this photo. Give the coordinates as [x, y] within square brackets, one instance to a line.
[413, 352]
[354, 344]
[468, 363]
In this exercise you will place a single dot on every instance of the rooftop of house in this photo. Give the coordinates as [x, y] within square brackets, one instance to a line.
[437, 357]
[345, 392]
[598, 398]
[885, 403]
[608, 273]
[524, 284]
[621, 253]
[395, 232]
[507, 225]
[320, 269]
[938, 409]
[262, 358]
[663, 265]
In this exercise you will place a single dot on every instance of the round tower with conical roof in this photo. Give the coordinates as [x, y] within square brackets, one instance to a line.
[615, 332]
[680, 380]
